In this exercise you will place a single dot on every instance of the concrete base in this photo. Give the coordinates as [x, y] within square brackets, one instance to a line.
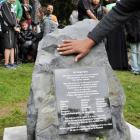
[20, 133]
[15, 133]
[134, 132]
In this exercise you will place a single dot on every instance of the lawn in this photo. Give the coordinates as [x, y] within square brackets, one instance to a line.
[131, 85]
[14, 92]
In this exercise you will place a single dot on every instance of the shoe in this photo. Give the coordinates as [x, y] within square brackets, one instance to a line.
[7, 66]
[13, 65]
[135, 72]
[129, 68]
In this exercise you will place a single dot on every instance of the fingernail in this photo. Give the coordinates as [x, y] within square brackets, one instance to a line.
[60, 53]
[75, 60]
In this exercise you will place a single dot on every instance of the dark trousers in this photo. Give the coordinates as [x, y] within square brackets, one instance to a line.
[25, 51]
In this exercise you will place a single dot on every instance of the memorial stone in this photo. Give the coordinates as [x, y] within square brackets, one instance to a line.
[42, 117]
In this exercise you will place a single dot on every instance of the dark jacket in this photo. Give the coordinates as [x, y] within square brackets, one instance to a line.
[98, 11]
[83, 6]
[26, 35]
[7, 18]
[26, 9]
[118, 15]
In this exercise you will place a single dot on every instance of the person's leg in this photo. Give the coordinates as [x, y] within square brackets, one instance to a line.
[134, 57]
[138, 46]
[34, 51]
[12, 56]
[24, 53]
[7, 56]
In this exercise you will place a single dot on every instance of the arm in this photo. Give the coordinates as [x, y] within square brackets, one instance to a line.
[7, 16]
[91, 15]
[105, 10]
[118, 15]
[86, 7]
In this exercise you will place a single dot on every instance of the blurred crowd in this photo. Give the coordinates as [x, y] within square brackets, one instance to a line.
[19, 34]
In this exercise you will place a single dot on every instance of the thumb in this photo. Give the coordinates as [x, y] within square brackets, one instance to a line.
[78, 57]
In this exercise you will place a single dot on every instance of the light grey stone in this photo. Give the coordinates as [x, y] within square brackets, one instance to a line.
[15, 133]
[42, 122]
[134, 132]
[20, 133]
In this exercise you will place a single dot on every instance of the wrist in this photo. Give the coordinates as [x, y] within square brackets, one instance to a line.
[90, 42]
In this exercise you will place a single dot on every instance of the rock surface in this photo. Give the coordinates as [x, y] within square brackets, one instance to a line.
[42, 121]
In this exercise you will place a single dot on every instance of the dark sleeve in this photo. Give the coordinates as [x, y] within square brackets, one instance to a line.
[8, 16]
[86, 4]
[21, 38]
[118, 15]
[34, 36]
[3, 27]
[39, 36]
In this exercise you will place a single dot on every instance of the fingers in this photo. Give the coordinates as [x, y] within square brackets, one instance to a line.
[64, 48]
[78, 57]
[66, 52]
[66, 43]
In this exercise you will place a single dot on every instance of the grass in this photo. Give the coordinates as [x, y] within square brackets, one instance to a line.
[14, 92]
[131, 85]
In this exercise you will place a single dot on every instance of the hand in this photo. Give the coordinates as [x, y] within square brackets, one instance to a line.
[17, 29]
[79, 47]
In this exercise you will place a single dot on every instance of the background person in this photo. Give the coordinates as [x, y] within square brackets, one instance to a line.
[74, 15]
[84, 10]
[49, 14]
[47, 24]
[18, 10]
[98, 10]
[27, 42]
[133, 40]
[27, 10]
[116, 47]
[9, 29]
[117, 16]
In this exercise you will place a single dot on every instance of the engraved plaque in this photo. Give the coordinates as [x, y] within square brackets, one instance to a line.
[82, 100]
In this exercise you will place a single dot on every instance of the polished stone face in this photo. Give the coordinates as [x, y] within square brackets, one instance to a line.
[42, 116]
[82, 100]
